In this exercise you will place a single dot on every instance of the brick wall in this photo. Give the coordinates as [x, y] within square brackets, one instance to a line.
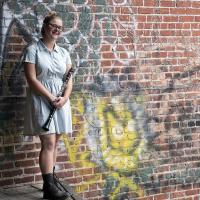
[135, 100]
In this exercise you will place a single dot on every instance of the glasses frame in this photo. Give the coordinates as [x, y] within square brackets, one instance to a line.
[55, 26]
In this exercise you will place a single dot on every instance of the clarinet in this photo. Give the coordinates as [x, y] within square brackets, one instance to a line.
[66, 78]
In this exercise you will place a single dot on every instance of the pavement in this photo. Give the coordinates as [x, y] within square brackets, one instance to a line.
[31, 192]
[28, 192]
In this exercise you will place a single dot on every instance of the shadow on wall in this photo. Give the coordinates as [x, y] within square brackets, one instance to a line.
[12, 94]
[12, 81]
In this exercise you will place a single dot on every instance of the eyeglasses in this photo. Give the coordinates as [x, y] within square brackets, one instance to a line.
[54, 26]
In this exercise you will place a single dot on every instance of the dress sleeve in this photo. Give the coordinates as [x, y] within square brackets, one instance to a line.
[29, 55]
[68, 59]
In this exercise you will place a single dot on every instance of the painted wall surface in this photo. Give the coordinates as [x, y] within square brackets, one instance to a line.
[135, 100]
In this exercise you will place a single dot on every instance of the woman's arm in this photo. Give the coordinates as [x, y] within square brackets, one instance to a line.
[68, 89]
[62, 100]
[35, 84]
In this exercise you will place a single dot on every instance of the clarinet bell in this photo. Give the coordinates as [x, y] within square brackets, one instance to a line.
[46, 126]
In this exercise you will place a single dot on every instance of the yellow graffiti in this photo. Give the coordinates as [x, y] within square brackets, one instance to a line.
[119, 139]
[73, 149]
[124, 181]
[120, 144]
[73, 144]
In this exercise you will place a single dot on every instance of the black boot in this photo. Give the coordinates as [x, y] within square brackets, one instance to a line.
[64, 187]
[55, 179]
[50, 191]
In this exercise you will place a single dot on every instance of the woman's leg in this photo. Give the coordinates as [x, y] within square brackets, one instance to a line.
[46, 158]
[46, 161]
[58, 136]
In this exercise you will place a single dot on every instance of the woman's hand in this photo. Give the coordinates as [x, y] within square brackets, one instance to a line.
[52, 99]
[59, 101]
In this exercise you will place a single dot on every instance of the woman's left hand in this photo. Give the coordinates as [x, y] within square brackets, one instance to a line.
[60, 101]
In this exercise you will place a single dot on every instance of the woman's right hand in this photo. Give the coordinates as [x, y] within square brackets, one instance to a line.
[53, 99]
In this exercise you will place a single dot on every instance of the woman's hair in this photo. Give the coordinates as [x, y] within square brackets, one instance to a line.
[51, 15]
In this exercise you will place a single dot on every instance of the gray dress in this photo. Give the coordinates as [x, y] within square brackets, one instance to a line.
[50, 68]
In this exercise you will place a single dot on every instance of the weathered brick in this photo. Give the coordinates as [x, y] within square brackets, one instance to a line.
[89, 195]
[139, 57]
[12, 173]
[6, 182]
[24, 163]
[32, 170]
[26, 179]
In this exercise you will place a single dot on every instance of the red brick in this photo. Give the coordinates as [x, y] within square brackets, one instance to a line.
[167, 3]
[161, 197]
[162, 169]
[25, 163]
[76, 180]
[15, 40]
[183, 4]
[32, 170]
[108, 55]
[186, 18]
[26, 179]
[38, 178]
[20, 156]
[124, 18]
[137, 2]
[177, 194]
[6, 182]
[89, 195]
[141, 18]
[192, 192]
[150, 3]
[65, 174]
[105, 63]
[86, 171]
[125, 10]
[177, 11]
[93, 186]
[34, 154]
[170, 18]
[6, 165]
[25, 147]
[142, 10]
[62, 158]
[193, 11]
[8, 140]
[105, 48]
[12, 173]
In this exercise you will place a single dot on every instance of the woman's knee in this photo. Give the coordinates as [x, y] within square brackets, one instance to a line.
[48, 143]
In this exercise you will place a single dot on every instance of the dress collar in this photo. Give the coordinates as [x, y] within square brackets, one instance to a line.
[43, 47]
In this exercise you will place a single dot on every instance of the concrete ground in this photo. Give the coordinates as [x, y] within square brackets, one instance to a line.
[29, 192]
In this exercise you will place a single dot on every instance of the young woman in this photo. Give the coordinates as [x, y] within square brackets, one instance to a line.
[45, 63]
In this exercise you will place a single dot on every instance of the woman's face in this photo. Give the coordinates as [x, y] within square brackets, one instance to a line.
[54, 28]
